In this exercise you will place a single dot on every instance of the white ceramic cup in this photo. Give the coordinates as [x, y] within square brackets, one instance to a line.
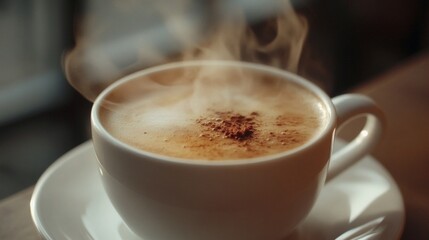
[264, 198]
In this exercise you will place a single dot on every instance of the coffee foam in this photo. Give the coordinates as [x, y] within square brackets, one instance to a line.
[164, 114]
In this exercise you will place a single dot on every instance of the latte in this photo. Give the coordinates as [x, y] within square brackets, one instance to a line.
[231, 116]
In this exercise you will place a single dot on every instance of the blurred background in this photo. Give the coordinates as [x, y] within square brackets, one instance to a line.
[42, 116]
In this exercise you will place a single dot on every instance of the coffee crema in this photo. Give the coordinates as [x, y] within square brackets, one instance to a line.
[236, 117]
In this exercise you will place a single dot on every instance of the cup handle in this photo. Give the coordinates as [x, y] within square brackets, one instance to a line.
[349, 106]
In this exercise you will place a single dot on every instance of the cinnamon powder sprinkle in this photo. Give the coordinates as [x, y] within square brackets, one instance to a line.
[247, 133]
[231, 125]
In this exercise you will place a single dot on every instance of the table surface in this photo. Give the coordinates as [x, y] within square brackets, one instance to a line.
[403, 94]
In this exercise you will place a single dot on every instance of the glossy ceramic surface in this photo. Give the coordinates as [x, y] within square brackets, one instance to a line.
[69, 202]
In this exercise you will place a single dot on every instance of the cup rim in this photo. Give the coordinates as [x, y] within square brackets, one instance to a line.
[329, 125]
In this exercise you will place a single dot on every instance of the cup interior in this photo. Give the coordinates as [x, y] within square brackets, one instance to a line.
[183, 69]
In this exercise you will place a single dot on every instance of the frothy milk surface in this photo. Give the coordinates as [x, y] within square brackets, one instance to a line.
[217, 117]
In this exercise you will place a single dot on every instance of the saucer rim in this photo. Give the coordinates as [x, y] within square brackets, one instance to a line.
[81, 148]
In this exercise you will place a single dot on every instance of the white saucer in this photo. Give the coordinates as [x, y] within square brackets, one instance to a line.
[69, 203]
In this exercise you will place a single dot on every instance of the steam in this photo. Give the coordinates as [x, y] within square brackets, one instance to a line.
[116, 39]
[279, 42]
